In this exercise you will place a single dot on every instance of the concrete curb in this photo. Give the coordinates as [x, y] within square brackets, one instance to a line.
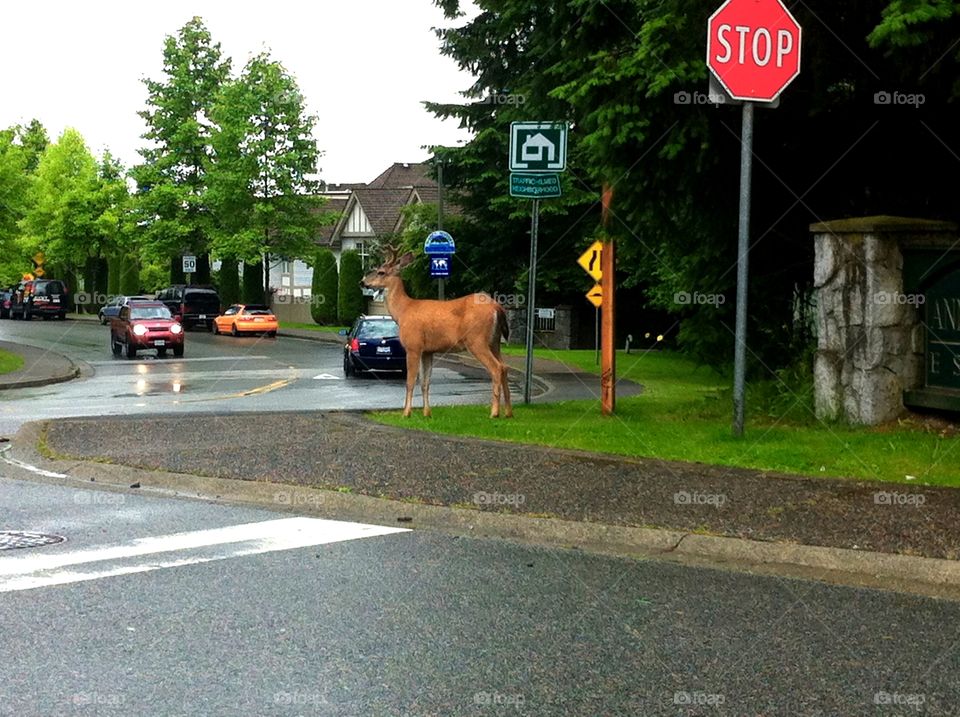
[930, 577]
[68, 375]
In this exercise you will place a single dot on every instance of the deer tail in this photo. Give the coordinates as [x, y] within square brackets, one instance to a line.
[503, 325]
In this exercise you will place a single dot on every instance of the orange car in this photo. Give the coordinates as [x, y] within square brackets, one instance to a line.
[246, 319]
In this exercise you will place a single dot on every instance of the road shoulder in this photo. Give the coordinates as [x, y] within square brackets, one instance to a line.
[41, 367]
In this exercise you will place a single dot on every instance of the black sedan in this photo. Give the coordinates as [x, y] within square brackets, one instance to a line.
[373, 344]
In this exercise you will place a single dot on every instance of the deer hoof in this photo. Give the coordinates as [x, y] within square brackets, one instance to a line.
[426, 413]
[406, 413]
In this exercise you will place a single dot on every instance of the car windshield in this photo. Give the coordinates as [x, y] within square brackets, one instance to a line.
[257, 310]
[384, 328]
[149, 312]
[48, 288]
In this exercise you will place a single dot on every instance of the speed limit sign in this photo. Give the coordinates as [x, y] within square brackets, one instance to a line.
[189, 264]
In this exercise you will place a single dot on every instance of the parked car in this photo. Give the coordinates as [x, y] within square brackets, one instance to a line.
[39, 297]
[112, 308]
[144, 325]
[192, 305]
[246, 319]
[373, 344]
[6, 296]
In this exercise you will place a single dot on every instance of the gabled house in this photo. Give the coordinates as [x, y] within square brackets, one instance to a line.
[365, 214]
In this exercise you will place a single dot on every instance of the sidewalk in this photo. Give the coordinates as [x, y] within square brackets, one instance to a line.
[40, 367]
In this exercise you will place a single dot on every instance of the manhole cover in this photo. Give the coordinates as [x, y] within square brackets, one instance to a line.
[10, 539]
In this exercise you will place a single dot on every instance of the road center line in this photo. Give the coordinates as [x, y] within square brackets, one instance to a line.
[32, 570]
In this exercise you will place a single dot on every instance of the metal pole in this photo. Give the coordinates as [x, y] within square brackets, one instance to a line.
[743, 248]
[531, 298]
[440, 216]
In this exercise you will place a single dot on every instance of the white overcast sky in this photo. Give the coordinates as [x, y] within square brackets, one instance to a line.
[364, 66]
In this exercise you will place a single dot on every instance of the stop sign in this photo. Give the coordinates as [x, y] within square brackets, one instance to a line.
[753, 48]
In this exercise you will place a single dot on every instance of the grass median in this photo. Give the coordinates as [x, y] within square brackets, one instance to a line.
[685, 414]
[10, 362]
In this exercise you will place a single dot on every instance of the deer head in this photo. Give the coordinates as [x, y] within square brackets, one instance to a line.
[380, 277]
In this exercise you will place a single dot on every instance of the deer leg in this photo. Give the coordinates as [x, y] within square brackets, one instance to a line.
[413, 366]
[496, 370]
[426, 370]
[504, 385]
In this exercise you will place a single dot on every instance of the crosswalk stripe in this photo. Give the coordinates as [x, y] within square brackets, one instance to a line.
[35, 570]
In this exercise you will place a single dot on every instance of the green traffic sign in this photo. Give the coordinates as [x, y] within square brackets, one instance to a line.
[534, 186]
[538, 146]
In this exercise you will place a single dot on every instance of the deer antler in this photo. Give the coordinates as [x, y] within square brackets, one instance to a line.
[390, 254]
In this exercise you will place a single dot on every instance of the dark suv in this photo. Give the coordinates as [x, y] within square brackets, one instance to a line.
[39, 297]
[192, 305]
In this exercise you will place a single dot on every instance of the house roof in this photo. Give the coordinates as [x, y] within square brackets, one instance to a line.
[333, 204]
[404, 174]
[383, 207]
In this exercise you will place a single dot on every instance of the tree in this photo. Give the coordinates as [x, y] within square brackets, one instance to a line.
[172, 179]
[129, 275]
[323, 293]
[619, 72]
[264, 154]
[229, 281]
[14, 185]
[64, 217]
[251, 291]
[350, 300]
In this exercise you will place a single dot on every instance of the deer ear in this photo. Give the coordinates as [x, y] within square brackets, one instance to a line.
[405, 260]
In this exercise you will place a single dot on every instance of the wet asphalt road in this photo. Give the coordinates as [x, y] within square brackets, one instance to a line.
[218, 373]
[422, 624]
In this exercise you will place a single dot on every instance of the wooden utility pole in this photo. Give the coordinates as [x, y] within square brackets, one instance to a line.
[608, 370]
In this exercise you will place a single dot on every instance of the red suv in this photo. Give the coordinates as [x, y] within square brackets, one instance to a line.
[145, 325]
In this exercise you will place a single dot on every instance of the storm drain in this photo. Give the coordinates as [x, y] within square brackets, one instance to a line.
[10, 539]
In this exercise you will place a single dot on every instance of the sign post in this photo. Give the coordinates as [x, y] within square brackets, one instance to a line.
[538, 150]
[753, 51]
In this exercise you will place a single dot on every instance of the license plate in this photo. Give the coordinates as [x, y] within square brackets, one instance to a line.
[383, 349]
[56, 299]
[202, 316]
[159, 342]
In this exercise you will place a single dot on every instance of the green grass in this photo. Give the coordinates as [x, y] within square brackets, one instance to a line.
[685, 414]
[10, 362]
[310, 327]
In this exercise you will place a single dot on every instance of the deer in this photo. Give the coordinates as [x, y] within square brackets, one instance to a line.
[473, 323]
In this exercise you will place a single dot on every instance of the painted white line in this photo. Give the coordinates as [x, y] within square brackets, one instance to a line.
[326, 377]
[32, 570]
[28, 467]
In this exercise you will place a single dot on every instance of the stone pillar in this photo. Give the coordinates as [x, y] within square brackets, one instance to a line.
[869, 330]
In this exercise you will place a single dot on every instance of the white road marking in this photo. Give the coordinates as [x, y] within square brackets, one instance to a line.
[326, 377]
[120, 363]
[32, 569]
[27, 466]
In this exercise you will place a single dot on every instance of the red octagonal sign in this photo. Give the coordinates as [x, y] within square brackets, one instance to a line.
[753, 48]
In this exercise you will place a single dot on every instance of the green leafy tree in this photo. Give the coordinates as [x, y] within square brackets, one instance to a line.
[64, 215]
[172, 179]
[323, 293]
[350, 300]
[14, 185]
[260, 185]
[129, 274]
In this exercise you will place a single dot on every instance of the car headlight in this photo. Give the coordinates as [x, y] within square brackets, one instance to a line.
[140, 330]
[176, 329]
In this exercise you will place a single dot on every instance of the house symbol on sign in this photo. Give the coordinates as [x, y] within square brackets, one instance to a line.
[534, 147]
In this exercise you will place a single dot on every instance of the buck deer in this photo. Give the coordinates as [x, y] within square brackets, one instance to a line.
[475, 323]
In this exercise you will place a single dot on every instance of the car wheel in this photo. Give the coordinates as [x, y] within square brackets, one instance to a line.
[62, 316]
[27, 315]
[233, 330]
[131, 351]
[272, 334]
[115, 346]
[161, 353]
[178, 351]
[214, 328]
[103, 320]
[348, 369]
